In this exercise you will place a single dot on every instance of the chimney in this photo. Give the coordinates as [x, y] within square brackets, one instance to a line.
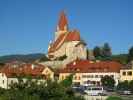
[32, 66]
[97, 61]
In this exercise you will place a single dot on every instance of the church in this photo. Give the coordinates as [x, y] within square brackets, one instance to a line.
[67, 43]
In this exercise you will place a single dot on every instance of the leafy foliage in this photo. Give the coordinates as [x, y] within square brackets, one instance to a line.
[44, 58]
[130, 54]
[102, 53]
[97, 51]
[108, 82]
[125, 85]
[31, 90]
[68, 81]
[114, 98]
[122, 58]
[131, 85]
[106, 50]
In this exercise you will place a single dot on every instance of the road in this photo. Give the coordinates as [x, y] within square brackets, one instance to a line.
[124, 97]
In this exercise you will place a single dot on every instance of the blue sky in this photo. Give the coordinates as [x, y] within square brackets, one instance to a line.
[27, 26]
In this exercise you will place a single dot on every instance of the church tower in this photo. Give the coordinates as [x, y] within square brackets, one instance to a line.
[62, 26]
[67, 44]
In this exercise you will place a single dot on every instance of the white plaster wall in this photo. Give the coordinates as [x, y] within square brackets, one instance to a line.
[3, 78]
[116, 76]
[83, 80]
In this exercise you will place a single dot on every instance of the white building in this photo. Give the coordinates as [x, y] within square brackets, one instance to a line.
[9, 74]
[126, 73]
[88, 72]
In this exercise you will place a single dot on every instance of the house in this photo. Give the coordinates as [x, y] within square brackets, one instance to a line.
[126, 73]
[90, 72]
[9, 73]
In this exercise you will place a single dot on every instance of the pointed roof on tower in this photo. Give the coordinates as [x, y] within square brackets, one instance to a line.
[63, 22]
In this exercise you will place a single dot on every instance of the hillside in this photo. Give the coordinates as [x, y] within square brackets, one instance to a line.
[20, 57]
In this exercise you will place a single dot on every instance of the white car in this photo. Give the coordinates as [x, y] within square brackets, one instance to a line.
[95, 91]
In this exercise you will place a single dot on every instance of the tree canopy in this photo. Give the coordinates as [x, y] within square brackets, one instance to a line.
[31, 90]
[108, 81]
[130, 54]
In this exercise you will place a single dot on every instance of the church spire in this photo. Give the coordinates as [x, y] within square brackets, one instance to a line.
[63, 22]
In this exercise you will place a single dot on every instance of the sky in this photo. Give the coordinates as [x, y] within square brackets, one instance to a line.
[27, 26]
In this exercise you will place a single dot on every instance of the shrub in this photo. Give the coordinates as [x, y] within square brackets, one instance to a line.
[114, 98]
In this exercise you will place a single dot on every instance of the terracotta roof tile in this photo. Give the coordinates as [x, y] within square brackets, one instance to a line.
[85, 66]
[25, 69]
[66, 37]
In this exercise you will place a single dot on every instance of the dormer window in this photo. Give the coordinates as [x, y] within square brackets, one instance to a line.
[74, 63]
[105, 69]
[78, 69]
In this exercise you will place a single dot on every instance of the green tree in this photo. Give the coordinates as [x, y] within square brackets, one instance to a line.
[97, 52]
[123, 85]
[44, 58]
[114, 98]
[68, 81]
[106, 50]
[122, 58]
[108, 81]
[131, 85]
[31, 90]
[130, 54]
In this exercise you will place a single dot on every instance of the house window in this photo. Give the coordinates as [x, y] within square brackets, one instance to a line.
[112, 76]
[75, 77]
[79, 78]
[46, 71]
[84, 76]
[63, 77]
[11, 81]
[124, 73]
[101, 76]
[129, 73]
[96, 76]
[3, 81]
[91, 76]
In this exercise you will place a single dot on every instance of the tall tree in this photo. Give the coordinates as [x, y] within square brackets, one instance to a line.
[106, 50]
[97, 52]
[130, 54]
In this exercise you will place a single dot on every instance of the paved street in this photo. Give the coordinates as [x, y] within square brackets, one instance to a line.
[124, 97]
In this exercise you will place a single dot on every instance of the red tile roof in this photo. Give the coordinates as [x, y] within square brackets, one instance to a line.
[73, 36]
[86, 66]
[25, 69]
[66, 37]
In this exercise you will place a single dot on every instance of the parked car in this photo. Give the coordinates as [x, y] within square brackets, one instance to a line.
[125, 92]
[109, 89]
[78, 89]
[95, 91]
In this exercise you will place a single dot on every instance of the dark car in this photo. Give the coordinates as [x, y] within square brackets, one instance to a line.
[78, 89]
[109, 89]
